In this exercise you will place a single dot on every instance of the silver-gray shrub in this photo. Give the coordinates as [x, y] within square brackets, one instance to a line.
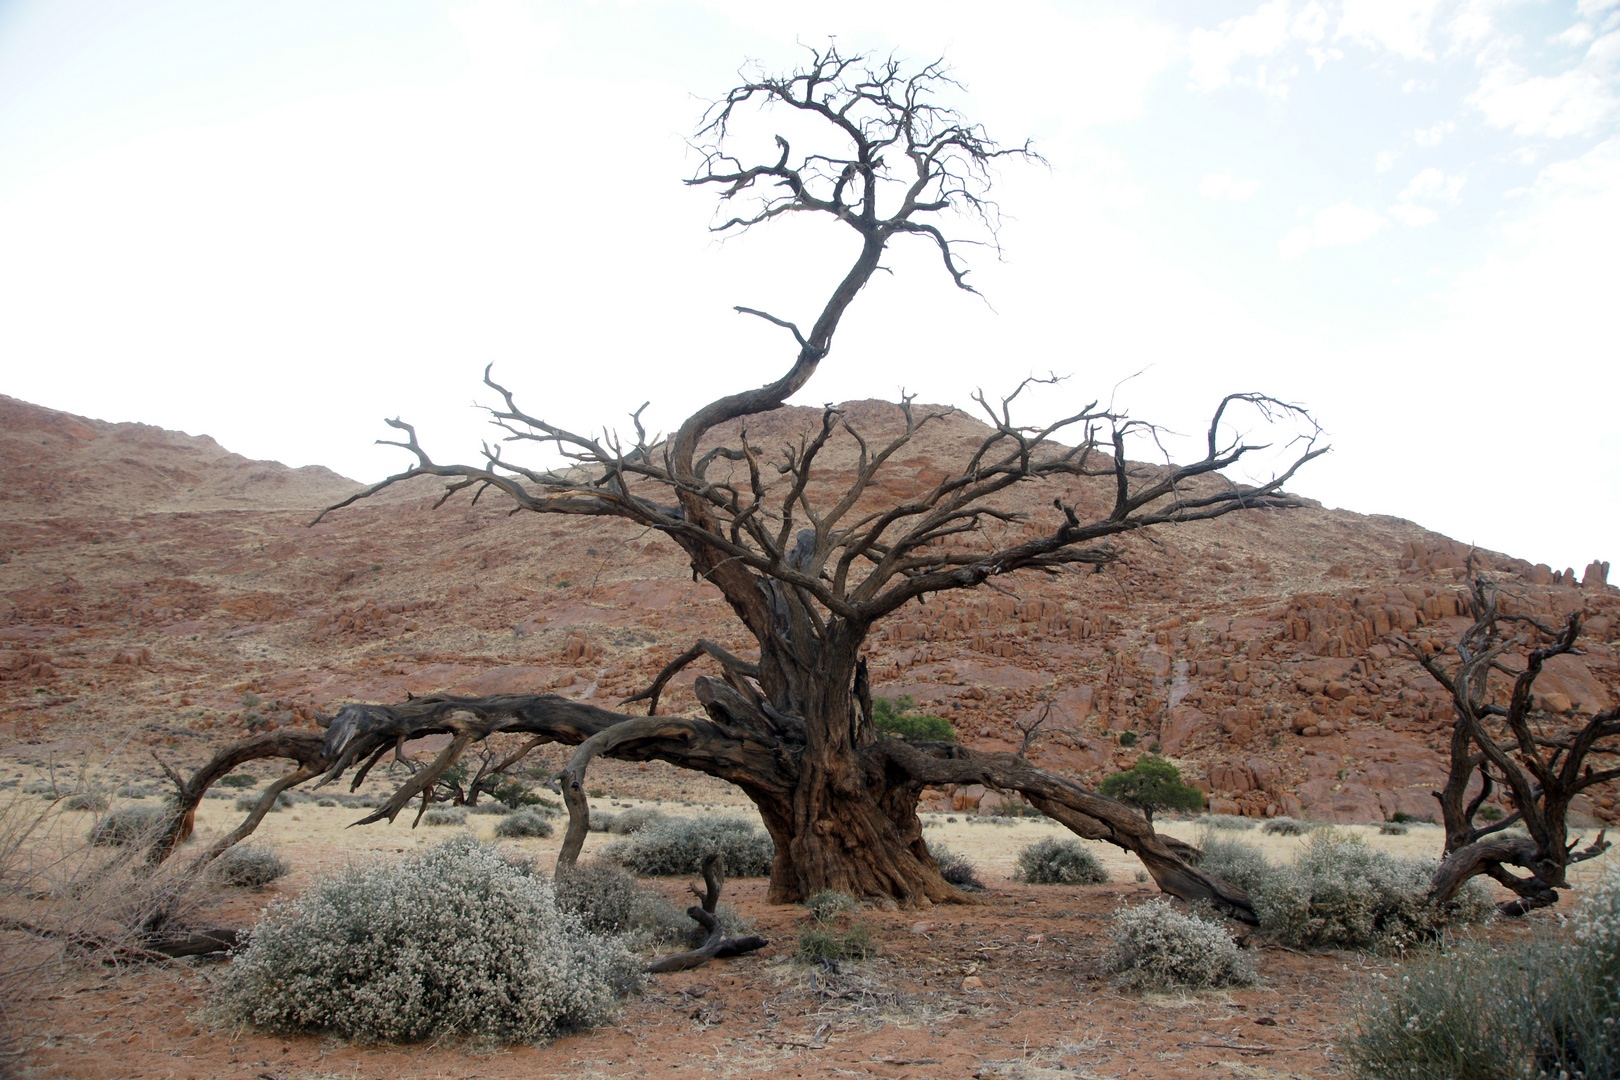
[678, 845]
[1342, 894]
[1056, 860]
[522, 823]
[608, 900]
[445, 815]
[1286, 826]
[249, 867]
[1227, 822]
[1155, 947]
[452, 941]
[634, 820]
[1546, 1007]
[1233, 861]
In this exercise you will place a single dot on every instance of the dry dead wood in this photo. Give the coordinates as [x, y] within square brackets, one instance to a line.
[717, 945]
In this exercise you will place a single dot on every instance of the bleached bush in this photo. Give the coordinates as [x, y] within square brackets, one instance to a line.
[249, 867]
[634, 820]
[608, 900]
[1155, 947]
[678, 845]
[1286, 826]
[522, 823]
[451, 941]
[1059, 861]
[1342, 894]
[1227, 822]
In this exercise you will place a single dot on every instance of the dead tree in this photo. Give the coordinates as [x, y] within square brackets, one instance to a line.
[1499, 736]
[810, 577]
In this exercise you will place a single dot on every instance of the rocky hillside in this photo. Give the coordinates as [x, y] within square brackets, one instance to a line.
[158, 591]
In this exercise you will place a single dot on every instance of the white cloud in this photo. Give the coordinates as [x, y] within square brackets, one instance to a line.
[1336, 226]
[1225, 186]
[1432, 136]
[1401, 26]
[1261, 34]
[1580, 101]
[1429, 186]
[1385, 161]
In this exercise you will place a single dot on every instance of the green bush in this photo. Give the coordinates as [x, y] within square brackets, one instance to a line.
[1155, 947]
[1128, 738]
[445, 815]
[1542, 1008]
[453, 941]
[955, 868]
[249, 867]
[522, 823]
[678, 845]
[1152, 784]
[238, 780]
[1233, 861]
[894, 716]
[820, 942]
[1059, 861]
[131, 825]
[1342, 894]
[1286, 826]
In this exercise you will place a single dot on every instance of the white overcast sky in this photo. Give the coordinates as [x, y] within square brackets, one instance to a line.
[278, 221]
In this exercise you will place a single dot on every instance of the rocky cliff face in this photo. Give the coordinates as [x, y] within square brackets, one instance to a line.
[157, 588]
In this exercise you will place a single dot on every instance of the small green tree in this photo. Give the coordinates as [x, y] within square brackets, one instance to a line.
[1152, 784]
[894, 716]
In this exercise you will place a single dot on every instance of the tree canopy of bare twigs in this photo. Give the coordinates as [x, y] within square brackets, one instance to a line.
[1541, 760]
[810, 576]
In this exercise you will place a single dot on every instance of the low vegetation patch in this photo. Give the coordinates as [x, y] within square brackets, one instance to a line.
[1286, 826]
[130, 825]
[521, 824]
[610, 901]
[823, 942]
[1155, 947]
[1059, 861]
[678, 845]
[1342, 894]
[955, 868]
[1233, 861]
[1543, 1008]
[453, 941]
[829, 904]
[445, 815]
[249, 867]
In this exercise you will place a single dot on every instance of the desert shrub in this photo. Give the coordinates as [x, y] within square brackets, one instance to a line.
[247, 802]
[249, 867]
[827, 904]
[1152, 784]
[602, 821]
[85, 800]
[1233, 861]
[1155, 947]
[491, 807]
[1286, 826]
[1404, 818]
[1490, 813]
[1227, 822]
[678, 845]
[1127, 738]
[522, 823]
[327, 802]
[1059, 861]
[451, 941]
[126, 826]
[135, 791]
[514, 794]
[895, 716]
[1342, 894]
[1392, 828]
[955, 868]
[819, 941]
[634, 820]
[445, 815]
[238, 780]
[1543, 1008]
[610, 901]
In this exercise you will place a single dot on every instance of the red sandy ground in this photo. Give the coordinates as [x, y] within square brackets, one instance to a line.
[1043, 1011]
